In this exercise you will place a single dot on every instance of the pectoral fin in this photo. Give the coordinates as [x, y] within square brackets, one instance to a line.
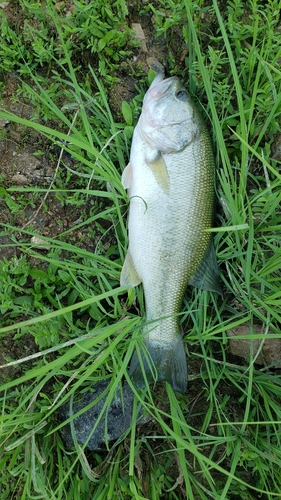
[129, 275]
[160, 172]
[207, 276]
[127, 176]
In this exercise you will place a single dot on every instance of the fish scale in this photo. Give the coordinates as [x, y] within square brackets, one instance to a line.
[170, 181]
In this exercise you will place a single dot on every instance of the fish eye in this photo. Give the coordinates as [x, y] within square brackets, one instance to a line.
[182, 95]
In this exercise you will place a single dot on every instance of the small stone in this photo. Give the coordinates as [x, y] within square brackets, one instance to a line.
[3, 122]
[40, 243]
[115, 421]
[276, 148]
[140, 36]
[155, 65]
[19, 180]
[26, 162]
[269, 348]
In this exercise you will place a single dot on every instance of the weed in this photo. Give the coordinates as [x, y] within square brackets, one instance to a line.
[99, 28]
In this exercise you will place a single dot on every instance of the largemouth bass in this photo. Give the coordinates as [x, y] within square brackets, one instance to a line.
[170, 182]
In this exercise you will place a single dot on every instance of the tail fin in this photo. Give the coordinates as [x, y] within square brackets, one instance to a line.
[166, 363]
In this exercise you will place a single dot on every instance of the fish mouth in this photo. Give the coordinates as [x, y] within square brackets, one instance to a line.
[161, 85]
[159, 88]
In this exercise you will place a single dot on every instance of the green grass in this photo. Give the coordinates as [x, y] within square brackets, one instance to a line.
[222, 439]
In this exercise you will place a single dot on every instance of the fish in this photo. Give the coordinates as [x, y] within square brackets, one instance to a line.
[170, 180]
